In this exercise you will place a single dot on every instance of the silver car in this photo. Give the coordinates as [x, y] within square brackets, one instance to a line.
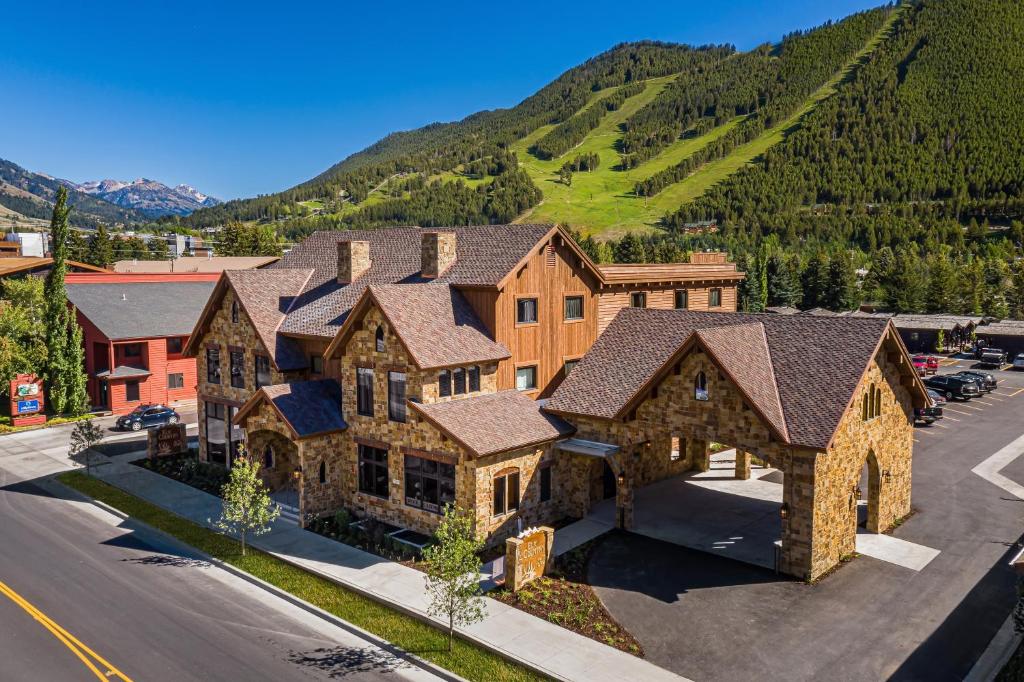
[1018, 362]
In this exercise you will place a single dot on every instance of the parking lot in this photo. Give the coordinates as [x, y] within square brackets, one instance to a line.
[709, 617]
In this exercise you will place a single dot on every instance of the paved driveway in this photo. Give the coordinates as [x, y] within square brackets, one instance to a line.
[710, 618]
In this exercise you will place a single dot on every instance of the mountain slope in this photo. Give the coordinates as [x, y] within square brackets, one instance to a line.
[32, 194]
[152, 198]
[908, 106]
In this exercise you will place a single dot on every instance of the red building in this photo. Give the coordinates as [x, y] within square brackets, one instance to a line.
[134, 329]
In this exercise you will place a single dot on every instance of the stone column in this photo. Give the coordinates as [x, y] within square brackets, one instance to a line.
[700, 455]
[798, 527]
[624, 467]
[742, 464]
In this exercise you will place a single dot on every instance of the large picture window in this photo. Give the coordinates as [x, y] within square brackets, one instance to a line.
[429, 485]
[396, 396]
[238, 369]
[364, 391]
[526, 311]
[262, 363]
[216, 433]
[213, 365]
[506, 493]
[373, 471]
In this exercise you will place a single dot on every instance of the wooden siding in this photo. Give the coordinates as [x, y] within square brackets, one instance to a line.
[552, 340]
[613, 300]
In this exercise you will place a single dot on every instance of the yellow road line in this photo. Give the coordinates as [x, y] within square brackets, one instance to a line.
[70, 641]
[1015, 392]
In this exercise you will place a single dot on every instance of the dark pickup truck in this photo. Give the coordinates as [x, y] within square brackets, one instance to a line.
[953, 386]
[992, 357]
[986, 382]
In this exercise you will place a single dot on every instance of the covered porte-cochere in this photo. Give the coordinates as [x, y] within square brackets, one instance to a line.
[721, 448]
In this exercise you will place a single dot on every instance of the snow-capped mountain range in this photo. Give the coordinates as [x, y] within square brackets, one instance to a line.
[148, 196]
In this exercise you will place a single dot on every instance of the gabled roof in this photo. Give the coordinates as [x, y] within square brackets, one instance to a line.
[812, 364]
[435, 324]
[265, 296]
[308, 408]
[485, 255]
[141, 310]
[471, 422]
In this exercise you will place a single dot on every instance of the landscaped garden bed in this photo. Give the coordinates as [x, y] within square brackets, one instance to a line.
[187, 469]
[565, 598]
[371, 536]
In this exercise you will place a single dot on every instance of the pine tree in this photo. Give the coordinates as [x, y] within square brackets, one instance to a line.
[158, 249]
[941, 296]
[784, 287]
[815, 281]
[1016, 299]
[841, 293]
[57, 313]
[101, 248]
[630, 249]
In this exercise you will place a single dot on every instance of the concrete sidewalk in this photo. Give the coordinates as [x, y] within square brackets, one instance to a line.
[550, 649]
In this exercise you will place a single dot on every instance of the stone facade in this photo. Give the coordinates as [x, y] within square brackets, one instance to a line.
[819, 488]
[226, 336]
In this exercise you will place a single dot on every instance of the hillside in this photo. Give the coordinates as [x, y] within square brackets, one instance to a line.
[30, 196]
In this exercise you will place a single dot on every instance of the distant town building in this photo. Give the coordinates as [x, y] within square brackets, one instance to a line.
[31, 243]
[209, 263]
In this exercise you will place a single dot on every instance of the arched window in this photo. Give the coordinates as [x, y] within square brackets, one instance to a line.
[380, 339]
[700, 386]
[878, 402]
[323, 472]
[234, 312]
[268, 457]
[864, 407]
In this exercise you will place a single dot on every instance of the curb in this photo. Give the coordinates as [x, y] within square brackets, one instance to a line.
[50, 484]
[396, 606]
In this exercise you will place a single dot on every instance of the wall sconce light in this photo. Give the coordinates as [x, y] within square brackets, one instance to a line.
[620, 480]
[856, 492]
[784, 511]
[886, 474]
[297, 473]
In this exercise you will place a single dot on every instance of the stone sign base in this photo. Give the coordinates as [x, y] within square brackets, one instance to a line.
[528, 556]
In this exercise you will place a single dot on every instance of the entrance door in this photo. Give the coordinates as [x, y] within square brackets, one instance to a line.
[608, 482]
[104, 397]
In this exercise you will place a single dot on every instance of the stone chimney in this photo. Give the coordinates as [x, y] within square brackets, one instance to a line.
[437, 253]
[353, 260]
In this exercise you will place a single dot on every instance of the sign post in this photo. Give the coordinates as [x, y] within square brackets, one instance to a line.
[27, 400]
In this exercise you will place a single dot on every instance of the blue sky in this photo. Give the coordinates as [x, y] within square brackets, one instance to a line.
[249, 98]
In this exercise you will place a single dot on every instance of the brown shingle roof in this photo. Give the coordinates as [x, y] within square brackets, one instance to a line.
[484, 256]
[816, 363]
[309, 408]
[266, 296]
[495, 422]
[436, 324]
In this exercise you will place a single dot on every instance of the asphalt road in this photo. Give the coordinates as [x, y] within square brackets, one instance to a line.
[149, 613]
[711, 618]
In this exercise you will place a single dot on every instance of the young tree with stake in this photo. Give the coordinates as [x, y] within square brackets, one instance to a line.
[84, 437]
[247, 504]
[453, 572]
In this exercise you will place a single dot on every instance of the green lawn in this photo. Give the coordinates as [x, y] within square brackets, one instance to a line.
[407, 633]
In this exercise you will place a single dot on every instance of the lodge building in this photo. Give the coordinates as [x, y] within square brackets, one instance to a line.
[395, 371]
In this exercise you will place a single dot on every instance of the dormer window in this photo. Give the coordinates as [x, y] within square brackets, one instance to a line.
[234, 312]
[700, 386]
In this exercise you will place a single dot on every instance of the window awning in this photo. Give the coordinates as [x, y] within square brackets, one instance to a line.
[587, 447]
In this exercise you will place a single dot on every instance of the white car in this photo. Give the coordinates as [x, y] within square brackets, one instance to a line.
[1018, 362]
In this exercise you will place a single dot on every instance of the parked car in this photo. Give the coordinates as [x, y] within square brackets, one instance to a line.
[920, 365]
[929, 363]
[1018, 362]
[986, 382]
[936, 397]
[929, 414]
[147, 416]
[993, 357]
[953, 386]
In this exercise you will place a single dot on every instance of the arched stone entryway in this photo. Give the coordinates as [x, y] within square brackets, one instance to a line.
[281, 454]
[867, 494]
